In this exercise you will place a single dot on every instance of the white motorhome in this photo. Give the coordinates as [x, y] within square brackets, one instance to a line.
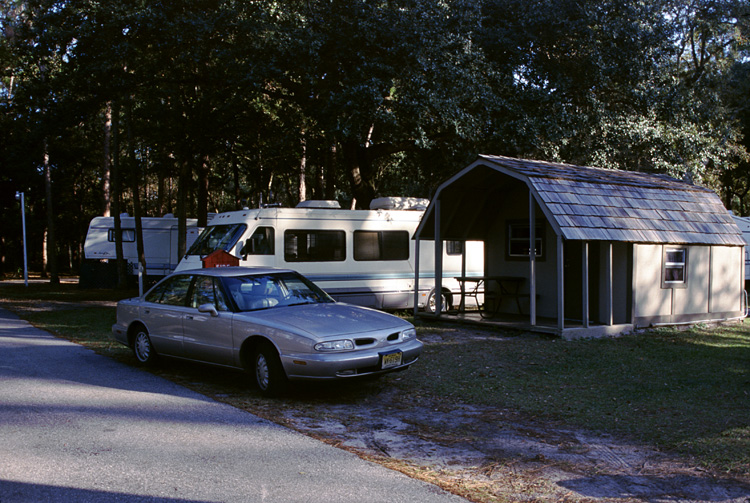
[160, 237]
[363, 257]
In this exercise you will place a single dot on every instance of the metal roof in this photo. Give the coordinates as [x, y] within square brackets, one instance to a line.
[596, 204]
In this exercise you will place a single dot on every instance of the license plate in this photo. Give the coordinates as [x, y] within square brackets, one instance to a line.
[391, 360]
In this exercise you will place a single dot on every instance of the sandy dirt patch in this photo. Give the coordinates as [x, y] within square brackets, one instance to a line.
[498, 456]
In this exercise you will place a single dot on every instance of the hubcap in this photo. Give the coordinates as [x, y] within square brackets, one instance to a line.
[261, 371]
[142, 347]
[433, 303]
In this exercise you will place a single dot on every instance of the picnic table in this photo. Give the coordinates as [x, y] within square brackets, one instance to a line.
[508, 287]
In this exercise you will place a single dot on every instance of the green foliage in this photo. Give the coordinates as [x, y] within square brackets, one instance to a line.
[372, 97]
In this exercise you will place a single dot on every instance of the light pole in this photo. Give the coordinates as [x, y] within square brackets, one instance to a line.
[19, 197]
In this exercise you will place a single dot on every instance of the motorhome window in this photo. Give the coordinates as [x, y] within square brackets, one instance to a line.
[454, 247]
[260, 243]
[674, 268]
[518, 240]
[381, 245]
[128, 235]
[217, 237]
[314, 246]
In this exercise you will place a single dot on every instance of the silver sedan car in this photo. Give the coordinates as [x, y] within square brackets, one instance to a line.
[274, 323]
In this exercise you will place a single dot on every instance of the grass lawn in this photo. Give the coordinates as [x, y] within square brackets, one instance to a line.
[686, 391]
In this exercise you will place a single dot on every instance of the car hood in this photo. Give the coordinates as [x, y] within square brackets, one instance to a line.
[325, 320]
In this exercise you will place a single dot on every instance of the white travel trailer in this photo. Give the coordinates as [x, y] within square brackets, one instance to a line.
[160, 239]
[363, 257]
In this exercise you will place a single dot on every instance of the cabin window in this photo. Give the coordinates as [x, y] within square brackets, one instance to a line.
[128, 235]
[260, 243]
[518, 240]
[314, 246]
[217, 237]
[454, 247]
[674, 267]
[381, 245]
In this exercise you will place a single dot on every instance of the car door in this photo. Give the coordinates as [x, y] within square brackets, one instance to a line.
[163, 311]
[208, 335]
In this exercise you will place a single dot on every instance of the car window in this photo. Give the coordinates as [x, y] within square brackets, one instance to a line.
[207, 291]
[172, 291]
[203, 292]
[254, 292]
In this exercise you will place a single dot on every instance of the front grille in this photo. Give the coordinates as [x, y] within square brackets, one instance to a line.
[364, 341]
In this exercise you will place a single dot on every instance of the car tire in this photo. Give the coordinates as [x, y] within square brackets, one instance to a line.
[266, 370]
[142, 348]
[431, 305]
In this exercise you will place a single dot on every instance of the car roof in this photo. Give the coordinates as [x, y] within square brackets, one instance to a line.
[227, 272]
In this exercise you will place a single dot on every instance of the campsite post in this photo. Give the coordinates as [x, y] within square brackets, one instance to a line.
[20, 197]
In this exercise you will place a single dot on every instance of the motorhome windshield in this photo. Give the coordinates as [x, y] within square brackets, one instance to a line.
[217, 237]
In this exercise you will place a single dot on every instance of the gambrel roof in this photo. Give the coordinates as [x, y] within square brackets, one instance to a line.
[592, 204]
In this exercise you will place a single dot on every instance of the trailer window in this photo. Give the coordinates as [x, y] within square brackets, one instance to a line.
[217, 237]
[381, 245]
[314, 246]
[454, 247]
[128, 235]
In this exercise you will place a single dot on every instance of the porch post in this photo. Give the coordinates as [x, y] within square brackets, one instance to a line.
[633, 284]
[585, 283]
[416, 277]
[609, 320]
[438, 262]
[532, 259]
[560, 285]
[462, 305]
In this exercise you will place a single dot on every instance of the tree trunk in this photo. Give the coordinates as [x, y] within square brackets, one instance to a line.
[135, 175]
[302, 194]
[106, 175]
[51, 244]
[330, 174]
[357, 166]
[202, 210]
[182, 190]
[236, 177]
[122, 266]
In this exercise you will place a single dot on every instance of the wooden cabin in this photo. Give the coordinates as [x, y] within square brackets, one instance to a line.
[581, 251]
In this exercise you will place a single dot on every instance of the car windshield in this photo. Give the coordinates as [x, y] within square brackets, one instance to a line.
[217, 237]
[264, 291]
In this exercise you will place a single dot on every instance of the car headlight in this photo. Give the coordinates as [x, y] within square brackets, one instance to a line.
[409, 334]
[342, 345]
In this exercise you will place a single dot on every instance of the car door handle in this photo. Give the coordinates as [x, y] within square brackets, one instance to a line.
[188, 316]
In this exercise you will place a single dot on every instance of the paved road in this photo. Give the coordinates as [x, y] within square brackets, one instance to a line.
[79, 427]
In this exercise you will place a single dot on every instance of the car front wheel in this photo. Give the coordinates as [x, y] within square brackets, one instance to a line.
[267, 371]
[142, 347]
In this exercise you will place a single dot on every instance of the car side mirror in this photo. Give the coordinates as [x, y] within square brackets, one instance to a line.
[208, 308]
